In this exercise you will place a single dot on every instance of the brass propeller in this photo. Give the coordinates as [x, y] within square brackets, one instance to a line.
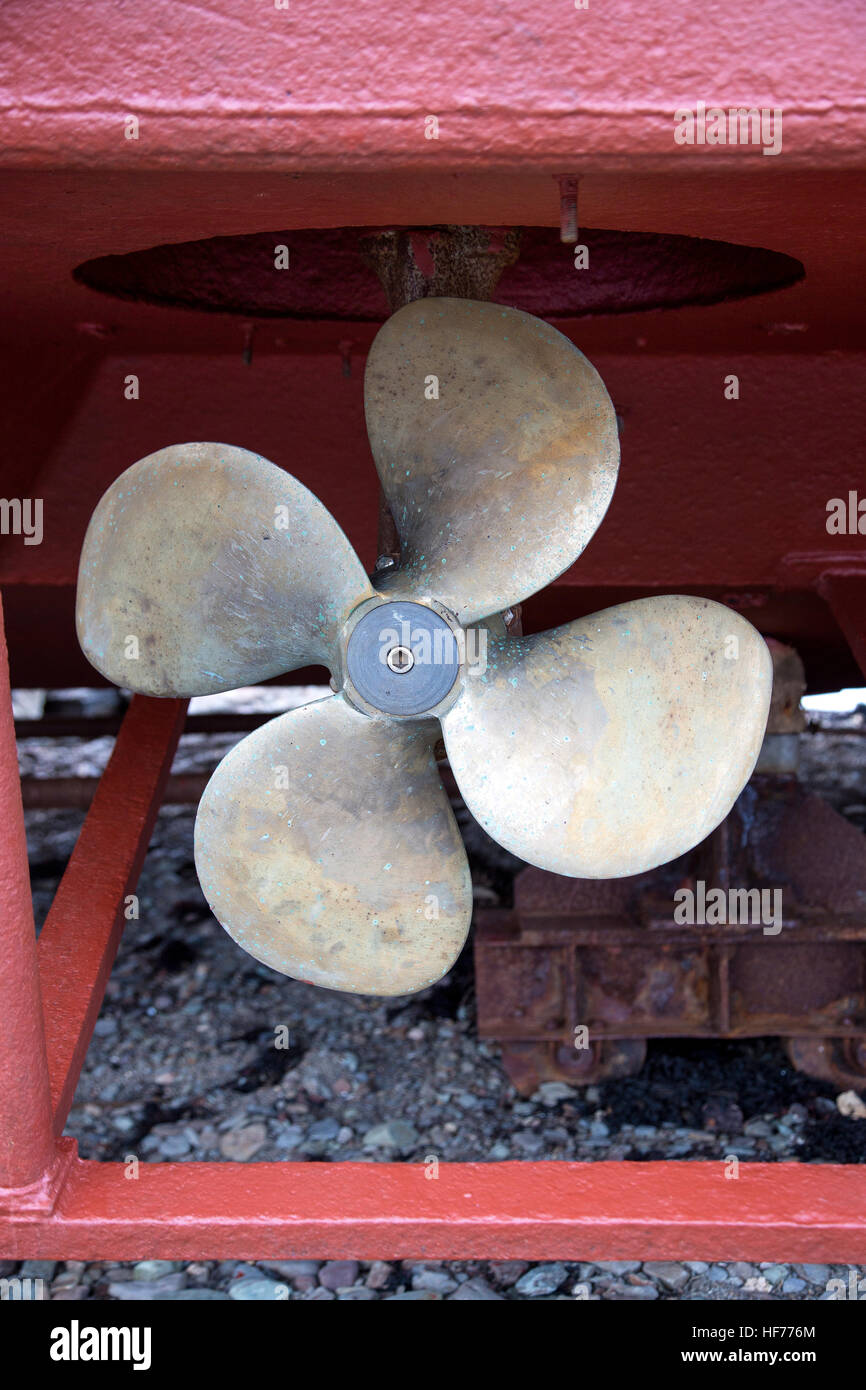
[326, 845]
[497, 449]
[613, 744]
[324, 841]
[206, 567]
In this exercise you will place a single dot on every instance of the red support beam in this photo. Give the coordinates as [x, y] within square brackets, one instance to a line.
[846, 595]
[26, 1148]
[538, 1211]
[82, 932]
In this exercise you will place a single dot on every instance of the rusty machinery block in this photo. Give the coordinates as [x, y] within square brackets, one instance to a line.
[575, 979]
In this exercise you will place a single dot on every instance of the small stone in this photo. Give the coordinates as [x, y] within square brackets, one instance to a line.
[795, 1114]
[668, 1272]
[718, 1274]
[774, 1274]
[505, 1273]
[175, 1145]
[757, 1285]
[556, 1136]
[851, 1105]
[413, 1296]
[154, 1269]
[779, 1144]
[38, 1269]
[257, 1291]
[393, 1134]
[240, 1144]
[793, 1285]
[355, 1295]
[542, 1279]
[720, 1114]
[197, 1296]
[643, 1292]
[323, 1130]
[318, 1295]
[759, 1129]
[477, 1290]
[289, 1137]
[618, 1266]
[148, 1289]
[743, 1271]
[293, 1269]
[550, 1093]
[379, 1275]
[816, 1274]
[338, 1274]
[71, 1293]
[434, 1279]
[238, 1270]
[528, 1141]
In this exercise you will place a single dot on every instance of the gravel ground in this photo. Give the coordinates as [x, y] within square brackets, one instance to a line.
[202, 1053]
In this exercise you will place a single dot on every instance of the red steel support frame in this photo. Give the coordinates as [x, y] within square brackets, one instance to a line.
[54, 1205]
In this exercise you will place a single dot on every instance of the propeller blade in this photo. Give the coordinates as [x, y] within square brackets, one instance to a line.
[205, 568]
[615, 743]
[326, 846]
[496, 445]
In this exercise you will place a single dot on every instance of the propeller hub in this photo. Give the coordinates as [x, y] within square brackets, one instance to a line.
[400, 660]
[403, 658]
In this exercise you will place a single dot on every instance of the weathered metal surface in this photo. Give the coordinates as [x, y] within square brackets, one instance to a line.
[463, 262]
[205, 568]
[841, 1061]
[615, 743]
[326, 846]
[789, 687]
[529, 1064]
[496, 445]
[609, 955]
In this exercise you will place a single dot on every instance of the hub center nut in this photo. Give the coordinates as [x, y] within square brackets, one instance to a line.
[402, 658]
